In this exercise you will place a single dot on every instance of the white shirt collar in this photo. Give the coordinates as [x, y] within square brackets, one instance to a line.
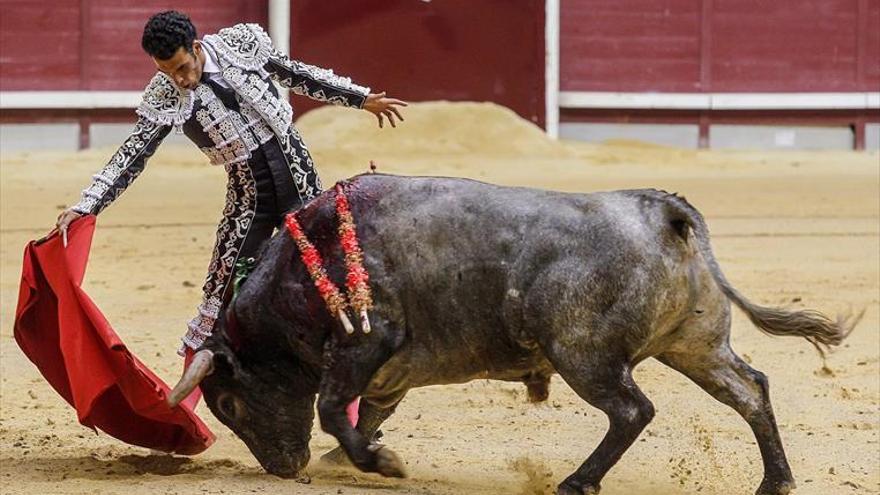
[210, 60]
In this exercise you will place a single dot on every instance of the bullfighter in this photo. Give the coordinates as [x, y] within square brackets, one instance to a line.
[219, 92]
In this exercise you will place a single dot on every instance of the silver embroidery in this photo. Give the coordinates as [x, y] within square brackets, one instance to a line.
[106, 186]
[234, 153]
[234, 134]
[164, 103]
[200, 327]
[216, 121]
[302, 169]
[325, 77]
[257, 94]
[238, 214]
[244, 45]
[255, 121]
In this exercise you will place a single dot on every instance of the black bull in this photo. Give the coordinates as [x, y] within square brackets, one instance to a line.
[472, 280]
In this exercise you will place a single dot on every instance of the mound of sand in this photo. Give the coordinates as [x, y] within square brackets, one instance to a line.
[461, 133]
[431, 128]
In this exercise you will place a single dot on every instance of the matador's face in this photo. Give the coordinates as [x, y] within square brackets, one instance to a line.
[184, 67]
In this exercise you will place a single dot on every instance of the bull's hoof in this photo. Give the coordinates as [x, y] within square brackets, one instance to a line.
[336, 457]
[775, 487]
[567, 488]
[387, 462]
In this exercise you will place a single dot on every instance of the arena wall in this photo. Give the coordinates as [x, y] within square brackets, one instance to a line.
[758, 73]
[770, 74]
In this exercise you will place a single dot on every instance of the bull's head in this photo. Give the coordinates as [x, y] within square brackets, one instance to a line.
[263, 394]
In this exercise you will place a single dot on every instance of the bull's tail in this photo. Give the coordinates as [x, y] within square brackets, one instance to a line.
[818, 329]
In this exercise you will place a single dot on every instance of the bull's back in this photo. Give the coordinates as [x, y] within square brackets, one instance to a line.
[475, 268]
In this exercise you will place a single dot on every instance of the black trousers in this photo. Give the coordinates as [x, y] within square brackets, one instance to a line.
[260, 192]
[276, 195]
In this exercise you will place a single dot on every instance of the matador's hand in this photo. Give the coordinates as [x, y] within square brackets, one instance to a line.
[381, 106]
[64, 220]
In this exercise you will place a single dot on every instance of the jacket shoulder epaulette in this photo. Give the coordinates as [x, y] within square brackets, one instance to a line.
[244, 45]
[164, 103]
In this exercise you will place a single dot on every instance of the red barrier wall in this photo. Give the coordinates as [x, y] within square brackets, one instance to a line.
[720, 45]
[489, 50]
[95, 44]
[486, 50]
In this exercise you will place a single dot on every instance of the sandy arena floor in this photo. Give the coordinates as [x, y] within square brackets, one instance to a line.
[791, 228]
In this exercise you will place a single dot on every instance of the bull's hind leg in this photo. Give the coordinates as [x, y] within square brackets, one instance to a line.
[721, 373]
[605, 381]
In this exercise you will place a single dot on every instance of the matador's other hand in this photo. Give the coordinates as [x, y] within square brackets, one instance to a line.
[382, 107]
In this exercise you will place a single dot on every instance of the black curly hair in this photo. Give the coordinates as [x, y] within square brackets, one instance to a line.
[166, 32]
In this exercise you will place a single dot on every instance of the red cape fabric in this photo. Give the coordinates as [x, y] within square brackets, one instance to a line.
[65, 335]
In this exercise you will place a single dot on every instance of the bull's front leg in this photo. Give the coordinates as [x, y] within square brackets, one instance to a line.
[349, 364]
[370, 418]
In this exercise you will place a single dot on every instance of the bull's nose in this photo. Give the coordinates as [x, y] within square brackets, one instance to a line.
[286, 467]
[282, 470]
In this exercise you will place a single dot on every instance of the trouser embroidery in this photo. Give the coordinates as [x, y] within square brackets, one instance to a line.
[259, 193]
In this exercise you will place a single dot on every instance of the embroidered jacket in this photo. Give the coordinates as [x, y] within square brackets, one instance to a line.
[249, 63]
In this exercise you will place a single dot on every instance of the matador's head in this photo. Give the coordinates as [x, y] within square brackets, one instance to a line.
[170, 39]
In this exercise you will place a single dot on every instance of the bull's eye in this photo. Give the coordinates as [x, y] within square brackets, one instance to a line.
[230, 406]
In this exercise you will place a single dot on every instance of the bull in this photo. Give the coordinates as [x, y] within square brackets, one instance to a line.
[472, 280]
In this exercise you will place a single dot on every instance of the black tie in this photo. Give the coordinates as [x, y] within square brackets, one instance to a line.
[226, 95]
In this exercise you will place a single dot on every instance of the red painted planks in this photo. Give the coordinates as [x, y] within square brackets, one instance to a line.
[751, 45]
[490, 50]
[808, 45]
[115, 29]
[39, 45]
[638, 45]
[871, 44]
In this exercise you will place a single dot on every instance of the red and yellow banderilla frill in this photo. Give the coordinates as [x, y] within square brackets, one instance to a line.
[356, 280]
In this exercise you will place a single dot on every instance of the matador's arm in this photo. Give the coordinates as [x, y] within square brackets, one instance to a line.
[309, 80]
[123, 168]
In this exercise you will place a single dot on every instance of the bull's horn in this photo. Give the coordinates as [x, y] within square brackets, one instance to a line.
[349, 328]
[365, 321]
[202, 365]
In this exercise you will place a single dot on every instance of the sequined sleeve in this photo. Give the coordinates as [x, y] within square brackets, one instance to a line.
[123, 168]
[249, 47]
[309, 80]
[315, 82]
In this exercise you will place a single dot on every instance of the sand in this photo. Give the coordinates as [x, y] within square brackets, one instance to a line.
[800, 229]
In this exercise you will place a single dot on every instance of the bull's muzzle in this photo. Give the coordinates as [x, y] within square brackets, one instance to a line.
[287, 467]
